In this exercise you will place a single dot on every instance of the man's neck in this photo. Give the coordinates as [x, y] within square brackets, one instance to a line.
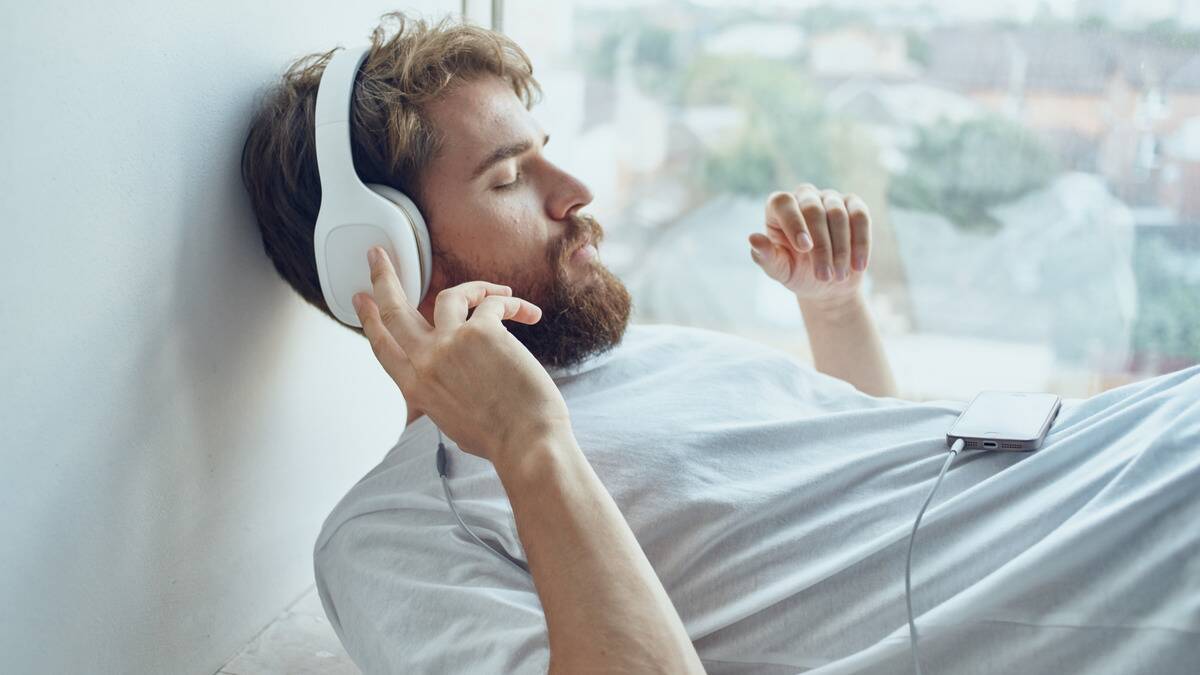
[413, 414]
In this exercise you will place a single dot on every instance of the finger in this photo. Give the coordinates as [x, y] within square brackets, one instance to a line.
[772, 260]
[389, 353]
[497, 308]
[452, 304]
[762, 248]
[395, 311]
[860, 231]
[822, 250]
[777, 237]
[761, 243]
[783, 213]
[839, 231]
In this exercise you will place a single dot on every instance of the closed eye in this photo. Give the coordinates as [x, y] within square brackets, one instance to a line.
[508, 186]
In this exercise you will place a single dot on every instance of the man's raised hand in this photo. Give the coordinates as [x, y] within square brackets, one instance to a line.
[817, 242]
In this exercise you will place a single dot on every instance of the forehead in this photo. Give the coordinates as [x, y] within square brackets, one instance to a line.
[475, 118]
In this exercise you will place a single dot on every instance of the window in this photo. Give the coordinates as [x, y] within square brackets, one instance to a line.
[1032, 168]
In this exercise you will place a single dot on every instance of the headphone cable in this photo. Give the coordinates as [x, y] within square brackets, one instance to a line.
[442, 471]
[912, 625]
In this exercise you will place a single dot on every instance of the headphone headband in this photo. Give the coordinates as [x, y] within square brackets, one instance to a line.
[335, 160]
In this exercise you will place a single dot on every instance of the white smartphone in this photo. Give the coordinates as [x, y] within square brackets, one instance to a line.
[1002, 420]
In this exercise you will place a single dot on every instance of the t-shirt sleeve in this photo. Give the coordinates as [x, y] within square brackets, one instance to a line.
[408, 592]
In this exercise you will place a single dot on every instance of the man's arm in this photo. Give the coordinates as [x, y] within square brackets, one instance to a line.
[605, 608]
[846, 344]
[818, 244]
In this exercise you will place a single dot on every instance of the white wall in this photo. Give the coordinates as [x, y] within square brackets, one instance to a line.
[176, 422]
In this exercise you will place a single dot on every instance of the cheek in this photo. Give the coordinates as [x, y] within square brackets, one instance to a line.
[520, 235]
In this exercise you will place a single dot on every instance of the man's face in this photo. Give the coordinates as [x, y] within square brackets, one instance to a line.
[499, 211]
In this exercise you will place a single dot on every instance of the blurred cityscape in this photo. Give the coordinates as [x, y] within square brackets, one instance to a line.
[1034, 177]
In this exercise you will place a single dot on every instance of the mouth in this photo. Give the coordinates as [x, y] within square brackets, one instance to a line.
[584, 252]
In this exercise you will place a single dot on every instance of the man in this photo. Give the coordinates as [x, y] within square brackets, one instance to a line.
[687, 500]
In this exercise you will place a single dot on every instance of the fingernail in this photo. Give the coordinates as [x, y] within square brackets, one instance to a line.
[357, 300]
[860, 262]
[805, 241]
[373, 255]
[842, 273]
[824, 272]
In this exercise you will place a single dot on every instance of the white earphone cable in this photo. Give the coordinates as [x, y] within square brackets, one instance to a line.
[912, 625]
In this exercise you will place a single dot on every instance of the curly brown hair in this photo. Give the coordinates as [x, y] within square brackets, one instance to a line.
[392, 139]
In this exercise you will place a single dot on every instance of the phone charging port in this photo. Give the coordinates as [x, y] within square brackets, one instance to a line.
[991, 445]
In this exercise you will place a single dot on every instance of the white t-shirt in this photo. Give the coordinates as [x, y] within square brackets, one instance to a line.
[775, 504]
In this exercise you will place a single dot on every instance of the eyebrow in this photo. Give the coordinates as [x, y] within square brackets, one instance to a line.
[504, 152]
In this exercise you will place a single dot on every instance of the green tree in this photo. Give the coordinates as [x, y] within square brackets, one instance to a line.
[829, 16]
[785, 137]
[1168, 321]
[654, 51]
[962, 170]
[600, 59]
[917, 48]
[1169, 33]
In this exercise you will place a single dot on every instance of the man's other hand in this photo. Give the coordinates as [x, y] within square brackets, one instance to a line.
[817, 242]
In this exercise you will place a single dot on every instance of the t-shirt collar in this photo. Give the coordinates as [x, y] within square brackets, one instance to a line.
[589, 363]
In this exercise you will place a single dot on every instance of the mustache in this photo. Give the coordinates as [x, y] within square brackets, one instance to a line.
[582, 227]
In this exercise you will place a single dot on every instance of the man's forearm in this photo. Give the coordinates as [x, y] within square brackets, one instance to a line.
[846, 344]
[605, 608]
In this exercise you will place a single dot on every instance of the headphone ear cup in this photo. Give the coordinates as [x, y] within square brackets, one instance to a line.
[418, 255]
[376, 216]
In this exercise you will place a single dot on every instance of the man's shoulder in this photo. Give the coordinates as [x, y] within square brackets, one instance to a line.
[398, 484]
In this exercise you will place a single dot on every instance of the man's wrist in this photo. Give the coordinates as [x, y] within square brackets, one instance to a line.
[529, 460]
[833, 309]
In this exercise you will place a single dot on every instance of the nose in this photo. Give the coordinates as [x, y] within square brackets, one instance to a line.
[567, 194]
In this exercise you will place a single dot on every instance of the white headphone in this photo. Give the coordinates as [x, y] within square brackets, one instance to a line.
[355, 216]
